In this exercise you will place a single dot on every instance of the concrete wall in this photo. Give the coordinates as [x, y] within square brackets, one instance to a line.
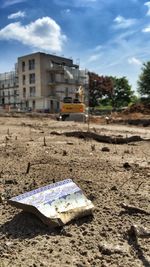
[27, 73]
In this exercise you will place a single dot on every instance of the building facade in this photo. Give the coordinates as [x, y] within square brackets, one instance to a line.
[9, 89]
[44, 80]
[41, 81]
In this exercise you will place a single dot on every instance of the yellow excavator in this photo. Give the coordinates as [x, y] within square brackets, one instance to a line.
[74, 109]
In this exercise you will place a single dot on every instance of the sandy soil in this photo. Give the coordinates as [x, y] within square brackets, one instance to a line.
[103, 239]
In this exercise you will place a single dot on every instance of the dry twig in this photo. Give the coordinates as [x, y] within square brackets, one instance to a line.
[133, 209]
[140, 231]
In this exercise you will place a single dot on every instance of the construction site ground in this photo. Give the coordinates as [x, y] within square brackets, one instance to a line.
[109, 177]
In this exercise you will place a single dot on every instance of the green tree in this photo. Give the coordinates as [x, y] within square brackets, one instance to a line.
[122, 93]
[134, 99]
[107, 90]
[144, 80]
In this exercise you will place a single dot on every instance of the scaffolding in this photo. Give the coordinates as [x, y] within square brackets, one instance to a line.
[9, 89]
[8, 80]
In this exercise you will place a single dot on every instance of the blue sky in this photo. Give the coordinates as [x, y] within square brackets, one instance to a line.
[109, 37]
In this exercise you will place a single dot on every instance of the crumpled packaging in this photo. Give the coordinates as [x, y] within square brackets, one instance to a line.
[55, 204]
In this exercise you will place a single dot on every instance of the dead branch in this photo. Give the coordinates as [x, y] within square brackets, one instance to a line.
[103, 138]
[40, 162]
[44, 141]
[133, 209]
[140, 231]
[139, 186]
[28, 168]
[55, 133]
[125, 182]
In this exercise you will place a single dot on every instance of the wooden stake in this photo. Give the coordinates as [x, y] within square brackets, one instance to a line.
[28, 168]
[44, 141]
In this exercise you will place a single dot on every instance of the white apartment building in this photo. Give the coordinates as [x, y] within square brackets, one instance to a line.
[44, 80]
[40, 82]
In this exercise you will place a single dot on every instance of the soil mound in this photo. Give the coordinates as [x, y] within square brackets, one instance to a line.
[140, 107]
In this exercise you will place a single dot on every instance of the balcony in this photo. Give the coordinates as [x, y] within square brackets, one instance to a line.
[56, 68]
[52, 93]
[65, 81]
[52, 83]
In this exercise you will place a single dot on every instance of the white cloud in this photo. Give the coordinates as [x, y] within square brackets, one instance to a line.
[122, 23]
[148, 5]
[12, 2]
[19, 14]
[146, 29]
[134, 61]
[76, 3]
[98, 48]
[84, 3]
[68, 10]
[44, 34]
[118, 52]
[94, 57]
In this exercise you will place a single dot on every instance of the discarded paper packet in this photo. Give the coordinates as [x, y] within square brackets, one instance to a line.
[55, 204]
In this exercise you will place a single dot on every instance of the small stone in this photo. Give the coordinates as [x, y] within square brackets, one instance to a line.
[91, 197]
[126, 165]
[64, 153]
[2, 199]
[114, 188]
[93, 147]
[9, 181]
[70, 143]
[105, 149]
[127, 152]
[8, 243]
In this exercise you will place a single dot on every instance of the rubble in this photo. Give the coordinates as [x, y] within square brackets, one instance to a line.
[55, 204]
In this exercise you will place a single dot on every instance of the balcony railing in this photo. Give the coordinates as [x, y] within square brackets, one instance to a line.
[56, 68]
[64, 81]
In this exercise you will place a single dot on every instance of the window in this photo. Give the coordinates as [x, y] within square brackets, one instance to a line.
[32, 78]
[57, 106]
[15, 92]
[31, 64]
[52, 77]
[23, 79]
[27, 104]
[23, 66]
[66, 92]
[8, 94]
[24, 92]
[32, 91]
[33, 104]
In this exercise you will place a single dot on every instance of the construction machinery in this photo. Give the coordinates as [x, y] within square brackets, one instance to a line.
[74, 108]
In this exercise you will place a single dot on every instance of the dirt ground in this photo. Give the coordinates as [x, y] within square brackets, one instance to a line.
[103, 239]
